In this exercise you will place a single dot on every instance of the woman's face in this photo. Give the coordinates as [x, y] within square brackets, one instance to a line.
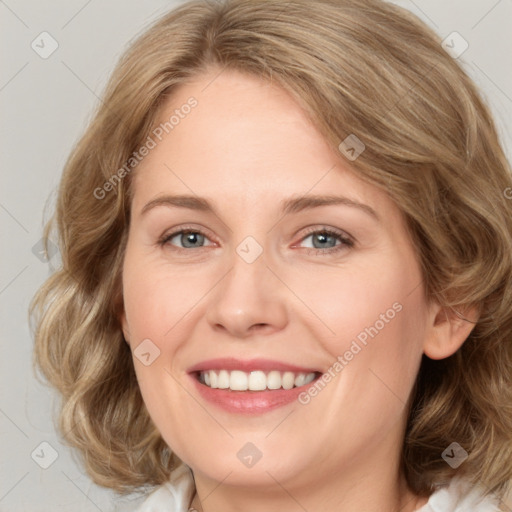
[260, 279]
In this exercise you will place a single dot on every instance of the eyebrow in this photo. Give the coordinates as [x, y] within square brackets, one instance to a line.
[292, 205]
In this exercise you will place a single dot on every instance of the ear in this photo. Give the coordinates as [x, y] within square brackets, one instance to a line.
[448, 330]
[124, 326]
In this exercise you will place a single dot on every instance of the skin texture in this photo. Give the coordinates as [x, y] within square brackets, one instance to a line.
[245, 147]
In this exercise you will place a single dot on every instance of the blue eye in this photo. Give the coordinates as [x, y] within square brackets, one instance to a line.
[325, 241]
[189, 239]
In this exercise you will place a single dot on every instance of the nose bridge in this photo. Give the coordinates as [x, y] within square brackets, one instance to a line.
[249, 295]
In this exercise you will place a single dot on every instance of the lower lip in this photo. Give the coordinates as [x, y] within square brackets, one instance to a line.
[249, 402]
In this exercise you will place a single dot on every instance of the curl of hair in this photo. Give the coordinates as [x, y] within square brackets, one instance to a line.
[430, 144]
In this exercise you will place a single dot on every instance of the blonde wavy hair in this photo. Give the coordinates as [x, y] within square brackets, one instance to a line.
[361, 67]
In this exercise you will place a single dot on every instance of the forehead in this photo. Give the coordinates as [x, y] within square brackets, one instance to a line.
[245, 140]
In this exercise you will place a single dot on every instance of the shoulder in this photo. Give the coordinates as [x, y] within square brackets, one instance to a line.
[460, 496]
[173, 496]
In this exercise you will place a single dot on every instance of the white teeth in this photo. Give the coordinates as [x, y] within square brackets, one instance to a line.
[213, 379]
[299, 380]
[288, 380]
[223, 380]
[258, 380]
[310, 377]
[274, 380]
[238, 380]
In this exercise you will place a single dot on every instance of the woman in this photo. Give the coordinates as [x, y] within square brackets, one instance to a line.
[287, 263]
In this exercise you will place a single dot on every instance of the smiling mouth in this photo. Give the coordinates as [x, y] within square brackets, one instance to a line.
[259, 380]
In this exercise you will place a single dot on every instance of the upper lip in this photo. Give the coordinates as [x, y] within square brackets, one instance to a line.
[231, 363]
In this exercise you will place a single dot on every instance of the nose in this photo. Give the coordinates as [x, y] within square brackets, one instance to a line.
[248, 300]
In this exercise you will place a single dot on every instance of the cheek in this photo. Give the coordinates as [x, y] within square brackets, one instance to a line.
[156, 308]
[373, 318]
[144, 301]
[363, 301]
[157, 299]
[164, 306]
[376, 350]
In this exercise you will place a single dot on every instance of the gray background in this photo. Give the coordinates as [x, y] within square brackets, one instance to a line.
[45, 105]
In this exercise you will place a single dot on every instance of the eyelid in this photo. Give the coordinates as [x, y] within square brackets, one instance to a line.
[345, 238]
[171, 233]
[326, 229]
[346, 241]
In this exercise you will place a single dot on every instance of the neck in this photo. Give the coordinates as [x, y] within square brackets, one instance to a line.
[371, 494]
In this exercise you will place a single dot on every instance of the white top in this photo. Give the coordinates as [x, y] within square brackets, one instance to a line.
[458, 496]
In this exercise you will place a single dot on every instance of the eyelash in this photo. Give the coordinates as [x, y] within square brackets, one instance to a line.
[346, 241]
